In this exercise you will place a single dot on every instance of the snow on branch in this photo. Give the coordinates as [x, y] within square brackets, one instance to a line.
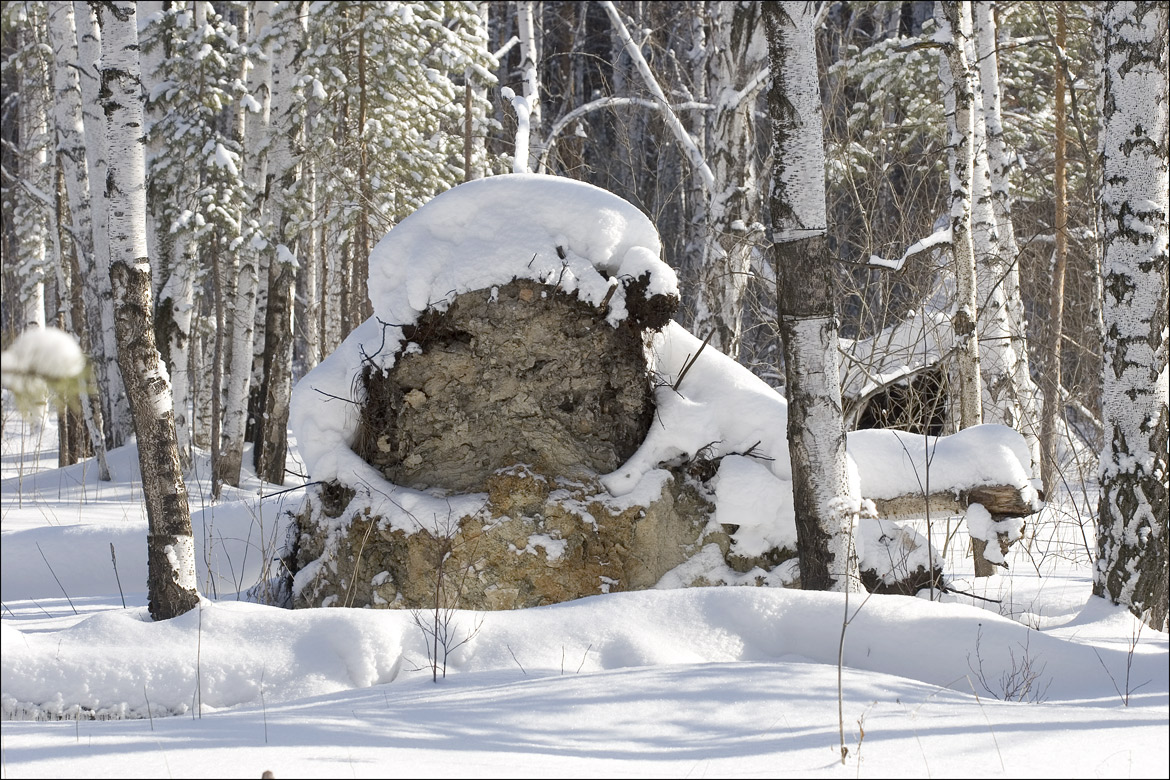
[684, 138]
[941, 237]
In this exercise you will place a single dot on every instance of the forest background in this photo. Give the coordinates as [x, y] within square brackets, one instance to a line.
[284, 139]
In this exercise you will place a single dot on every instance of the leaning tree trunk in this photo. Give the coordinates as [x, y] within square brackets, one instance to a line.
[1132, 535]
[825, 511]
[170, 546]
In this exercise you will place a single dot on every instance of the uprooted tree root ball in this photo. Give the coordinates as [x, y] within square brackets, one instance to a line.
[522, 373]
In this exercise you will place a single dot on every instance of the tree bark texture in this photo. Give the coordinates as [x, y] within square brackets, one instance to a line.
[1053, 403]
[171, 548]
[958, 96]
[1132, 534]
[733, 227]
[825, 511]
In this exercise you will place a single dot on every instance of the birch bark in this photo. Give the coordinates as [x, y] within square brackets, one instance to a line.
[71, 149]
[241, 279]
[958, 97]
[1132, 533]
[170, 546]
[115, 404]
[733, 227]
[1000, 164]
[826, 510]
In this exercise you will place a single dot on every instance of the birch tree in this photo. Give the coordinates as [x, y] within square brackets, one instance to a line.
[170, 546]
[115, 405]
[281, 44]
[1132, 535]
[736, 71]
[997, 347]
[31, 192]
[70, 127]
[824, 507]
[1021, 389]
[958, 97]
[1053, 403]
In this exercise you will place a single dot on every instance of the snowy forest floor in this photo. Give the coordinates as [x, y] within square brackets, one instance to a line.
[681, 683]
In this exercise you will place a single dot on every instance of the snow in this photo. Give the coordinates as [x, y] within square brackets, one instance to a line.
[1027, 675]
[225, 159]
[939, 237]
[895, 463]
[901, 349]
[734, 681]
[40, 355]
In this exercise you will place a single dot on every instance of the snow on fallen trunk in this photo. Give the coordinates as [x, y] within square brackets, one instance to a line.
[896, 463]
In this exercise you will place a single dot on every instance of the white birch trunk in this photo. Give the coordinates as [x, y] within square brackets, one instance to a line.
[34, 204]
[115, 404]
[529, 55]
[171, 548]
[958, 97]
[1133, 538]
[826, 507]
[733, 227]
[178, 296]
[997, 353]
[71, 148]
[999, 167]
[241, 277]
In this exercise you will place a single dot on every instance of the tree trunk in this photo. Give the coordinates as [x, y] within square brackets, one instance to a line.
[1000, 164]
[1053, 403]
[71, 146]
[115, 405]
[733, 227]
[997, 348]
[33, 205]
[270, 450]
[1132, 535]
[958, 97]
[171, 548]
[240, 277]
[825, 510]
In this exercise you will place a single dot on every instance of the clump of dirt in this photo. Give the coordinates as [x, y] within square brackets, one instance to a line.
[522, 373]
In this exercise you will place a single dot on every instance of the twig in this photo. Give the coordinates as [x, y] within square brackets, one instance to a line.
[114, 559]
[149, 714]
[59, 585]
[691, 361]
[584, 656]
[514, 658]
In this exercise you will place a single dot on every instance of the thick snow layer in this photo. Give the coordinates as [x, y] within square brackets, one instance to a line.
[896, 463]
[522, 226]
[719, 407]
[908, 346]
[481, 234]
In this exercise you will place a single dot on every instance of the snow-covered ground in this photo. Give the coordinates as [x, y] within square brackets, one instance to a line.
[735, 681]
